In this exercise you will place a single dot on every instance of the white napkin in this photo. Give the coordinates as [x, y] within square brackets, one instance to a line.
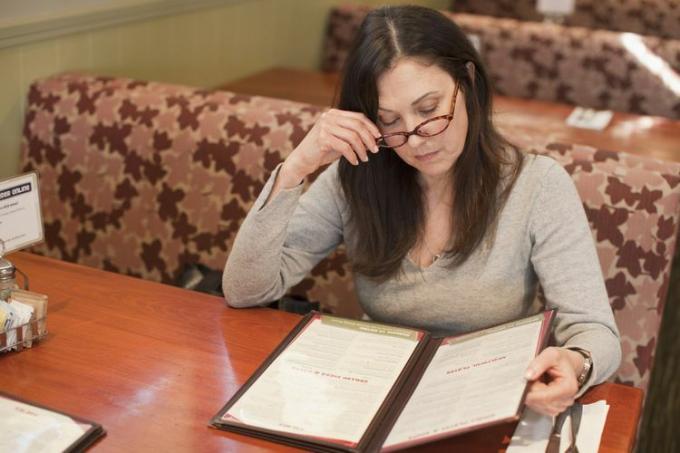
[18, 314]
[24, 313]
[533, 430]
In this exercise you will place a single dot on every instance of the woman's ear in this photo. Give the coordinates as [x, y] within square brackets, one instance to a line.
[470, 66]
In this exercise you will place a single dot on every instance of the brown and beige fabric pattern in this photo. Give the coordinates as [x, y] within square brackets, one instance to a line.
[579, 66]
[343, 24]
[646, 17]
[512, 9]
[142, 178]
[633, 207]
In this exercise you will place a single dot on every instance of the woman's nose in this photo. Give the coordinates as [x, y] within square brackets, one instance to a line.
[415, 140]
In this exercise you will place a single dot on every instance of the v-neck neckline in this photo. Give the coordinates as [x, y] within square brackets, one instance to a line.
[427, 268]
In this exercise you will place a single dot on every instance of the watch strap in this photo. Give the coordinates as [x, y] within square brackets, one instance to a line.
[587, 366]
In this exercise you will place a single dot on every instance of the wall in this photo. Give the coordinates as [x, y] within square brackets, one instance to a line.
[203, 48]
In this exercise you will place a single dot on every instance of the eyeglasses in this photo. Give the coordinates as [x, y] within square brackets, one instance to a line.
[433, 126]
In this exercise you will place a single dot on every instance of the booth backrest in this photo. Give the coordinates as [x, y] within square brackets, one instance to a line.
[579, 66]
[646, 17]
[143, 178]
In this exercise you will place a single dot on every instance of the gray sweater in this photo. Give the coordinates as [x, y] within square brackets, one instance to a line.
[542, 237]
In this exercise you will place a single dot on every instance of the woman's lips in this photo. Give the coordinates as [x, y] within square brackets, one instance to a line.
[426, 157]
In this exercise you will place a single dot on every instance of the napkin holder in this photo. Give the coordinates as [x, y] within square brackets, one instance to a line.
[24, 335]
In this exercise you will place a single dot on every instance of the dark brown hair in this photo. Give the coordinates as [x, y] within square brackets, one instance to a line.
[384, 196]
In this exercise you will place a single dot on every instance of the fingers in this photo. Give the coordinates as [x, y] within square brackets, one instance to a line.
[343, 148]
[350, 127]
[372, 128]
[363, 133]
[560, 390]
[555, 396]
[547, 359]
[538, 399]
[354, 141]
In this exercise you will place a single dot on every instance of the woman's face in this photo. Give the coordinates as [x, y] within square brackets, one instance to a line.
[412, 92]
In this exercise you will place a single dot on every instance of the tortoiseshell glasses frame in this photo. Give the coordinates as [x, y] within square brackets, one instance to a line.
[429, 128]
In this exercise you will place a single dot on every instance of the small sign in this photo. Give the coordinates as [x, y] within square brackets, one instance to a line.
[20, 218]
[555, 7]
[589, 119]
[476, 42]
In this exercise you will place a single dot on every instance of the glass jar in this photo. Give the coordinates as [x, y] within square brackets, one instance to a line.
[7, 279]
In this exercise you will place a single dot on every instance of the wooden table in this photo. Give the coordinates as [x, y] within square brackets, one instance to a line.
[153, 363]
[542, 121]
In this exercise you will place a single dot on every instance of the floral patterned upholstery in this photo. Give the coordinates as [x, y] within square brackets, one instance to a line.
[592, 68]
[633, 207]
[142, 178]
[646, 17]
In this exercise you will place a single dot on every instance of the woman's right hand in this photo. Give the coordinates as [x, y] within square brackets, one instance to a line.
[337, 133]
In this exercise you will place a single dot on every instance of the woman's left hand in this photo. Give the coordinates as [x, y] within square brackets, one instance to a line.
[556, 393]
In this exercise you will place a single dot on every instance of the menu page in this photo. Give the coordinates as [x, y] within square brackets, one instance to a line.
[329, 382]
[472, 380]
[27, 428]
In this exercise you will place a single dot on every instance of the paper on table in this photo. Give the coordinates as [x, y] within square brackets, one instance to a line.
[533, 430]
[26, 428]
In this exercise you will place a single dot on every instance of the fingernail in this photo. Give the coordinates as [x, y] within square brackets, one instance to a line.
[529, 374]
[364, 158]
[376, 149]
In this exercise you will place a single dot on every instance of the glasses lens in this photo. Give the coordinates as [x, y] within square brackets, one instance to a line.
[392, 141]
[433, 127]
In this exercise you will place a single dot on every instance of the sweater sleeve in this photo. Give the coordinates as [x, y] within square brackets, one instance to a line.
[566, 263]
[281, 241]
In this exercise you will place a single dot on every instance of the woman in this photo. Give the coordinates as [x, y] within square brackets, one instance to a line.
[447, 226]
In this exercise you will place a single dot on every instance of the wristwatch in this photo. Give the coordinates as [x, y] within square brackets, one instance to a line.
[587, 366]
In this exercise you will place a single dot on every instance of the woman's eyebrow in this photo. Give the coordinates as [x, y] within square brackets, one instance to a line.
[414, 102]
